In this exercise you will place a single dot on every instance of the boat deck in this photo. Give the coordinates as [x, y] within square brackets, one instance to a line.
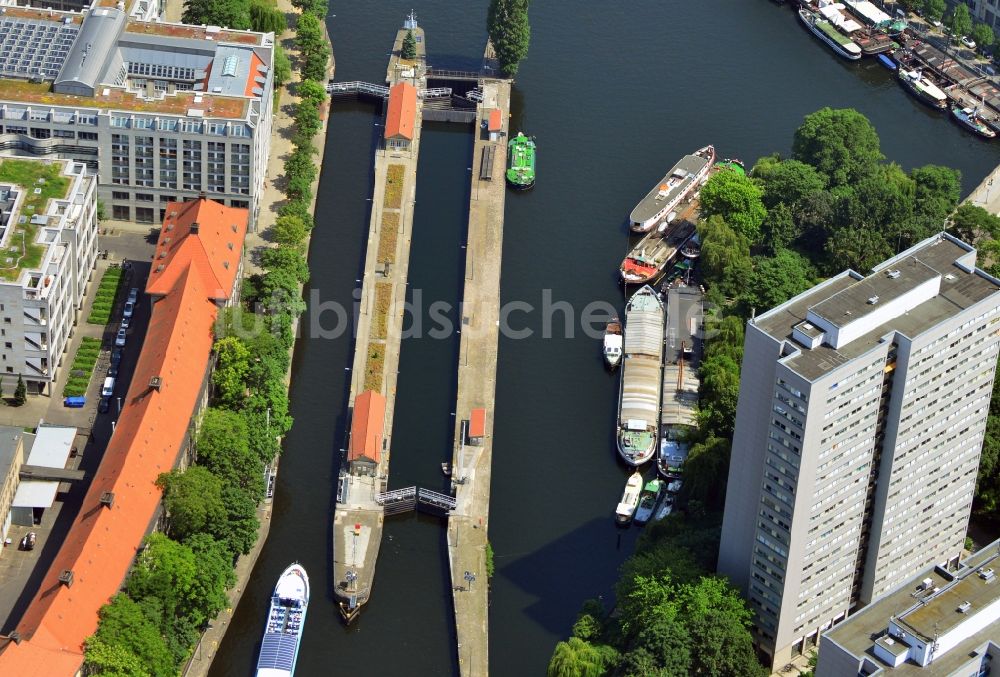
[654, 251]
[678, 180]
[680, 377]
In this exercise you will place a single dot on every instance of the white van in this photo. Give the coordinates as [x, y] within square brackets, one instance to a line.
[108, 389]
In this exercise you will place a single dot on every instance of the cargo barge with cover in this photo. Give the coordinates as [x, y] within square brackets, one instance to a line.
[641, 381]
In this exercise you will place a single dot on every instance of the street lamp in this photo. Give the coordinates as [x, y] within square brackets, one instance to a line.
[119, 406]
[470, 578]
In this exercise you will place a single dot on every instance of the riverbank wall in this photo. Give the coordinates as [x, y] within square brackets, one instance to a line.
[282, 128]
[477, 366]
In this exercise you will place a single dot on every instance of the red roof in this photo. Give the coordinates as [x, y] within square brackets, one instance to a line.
[255, 61]
[477, 423]
[214, 246]
[401, 116]
[496, 120]
[367, 426]
[148, 439]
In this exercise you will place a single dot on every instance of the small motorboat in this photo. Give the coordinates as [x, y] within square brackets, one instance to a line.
[613, 342]
[970, 119]
[630, 499]
[446, 469]
[887, 62]
[666, 507]
[648, 500]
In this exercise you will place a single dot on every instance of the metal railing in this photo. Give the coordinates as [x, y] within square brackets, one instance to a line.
[357, 87]
[447, 74]
[436, 500]
[435, 93]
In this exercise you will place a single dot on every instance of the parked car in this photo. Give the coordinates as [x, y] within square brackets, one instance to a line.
[133, 294]
[936, 23]
[120, 338]
[108, 389]
[129, 309]
[968, 42]
[113, 370]
[126, 321]
[28, 542]
[104, 405]
[116, 356]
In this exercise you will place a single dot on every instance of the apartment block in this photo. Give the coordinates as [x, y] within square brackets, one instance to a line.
[863, 403]
[48, 248]
[160, 112]
[940, 622]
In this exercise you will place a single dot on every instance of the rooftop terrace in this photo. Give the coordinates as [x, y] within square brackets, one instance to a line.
[38, 182]
[24, 92]
[172, 30]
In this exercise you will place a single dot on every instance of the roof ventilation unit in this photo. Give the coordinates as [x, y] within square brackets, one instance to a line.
[66, 577]
[893, 274]
[156, 383]
[107, 498]
[964, 607]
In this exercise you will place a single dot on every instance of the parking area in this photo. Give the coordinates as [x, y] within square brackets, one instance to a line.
[21, 572]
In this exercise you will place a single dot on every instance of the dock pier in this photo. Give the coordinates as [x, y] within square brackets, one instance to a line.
[361, 490]
[477, 365]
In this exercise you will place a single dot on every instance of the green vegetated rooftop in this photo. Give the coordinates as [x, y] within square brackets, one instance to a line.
[21, 251]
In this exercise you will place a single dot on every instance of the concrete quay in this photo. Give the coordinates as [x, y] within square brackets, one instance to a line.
[358, 517]
[471, 465]
[987, 193]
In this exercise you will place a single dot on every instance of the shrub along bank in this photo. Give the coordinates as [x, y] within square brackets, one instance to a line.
[179, 582]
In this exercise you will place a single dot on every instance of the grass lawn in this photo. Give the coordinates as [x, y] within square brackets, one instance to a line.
[387, 237]
[383, 299]
[22, 251]
[393, 187]
[82, 369]
[373, 367]
[107, 291]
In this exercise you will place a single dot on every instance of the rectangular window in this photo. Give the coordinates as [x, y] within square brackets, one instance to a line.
[64, 133]
[121, 212]
[143, 197]
[87, 136]
[144, 214]
[119, 121]
[119, 195]
[40, 133]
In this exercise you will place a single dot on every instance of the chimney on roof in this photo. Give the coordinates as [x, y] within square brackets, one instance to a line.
[155, 383]
[194, 228]
[15, 637]
[66, 577]
[107, 498]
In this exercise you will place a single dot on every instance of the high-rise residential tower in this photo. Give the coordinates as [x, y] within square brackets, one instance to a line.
[863, 403]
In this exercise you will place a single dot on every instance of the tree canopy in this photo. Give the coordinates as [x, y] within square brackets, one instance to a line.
[228, 13]
[840, 143]
[934, 9]
[510, 32]
[960, 20]
[409, 49]
[737, 199]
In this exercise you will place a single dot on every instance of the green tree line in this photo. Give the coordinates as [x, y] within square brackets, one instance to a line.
[180, 578]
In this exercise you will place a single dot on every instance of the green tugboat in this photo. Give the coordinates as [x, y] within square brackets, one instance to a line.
[521, 162]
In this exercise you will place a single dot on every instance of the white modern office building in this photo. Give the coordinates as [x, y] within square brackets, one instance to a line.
[941, 622]
[863, 403]
[160, 112]
[48, 248]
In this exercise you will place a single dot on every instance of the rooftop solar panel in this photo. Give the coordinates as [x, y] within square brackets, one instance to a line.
[277, 651]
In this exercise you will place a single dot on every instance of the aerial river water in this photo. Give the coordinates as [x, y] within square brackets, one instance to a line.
[615, 93]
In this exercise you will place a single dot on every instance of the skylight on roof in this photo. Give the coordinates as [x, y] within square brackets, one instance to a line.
[230, 65]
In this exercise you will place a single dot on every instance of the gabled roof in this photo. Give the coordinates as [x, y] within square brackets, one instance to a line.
[148, 440]
[367, 425]
[477, 423]
[496, 120]
[205, 234]
[401, 115]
